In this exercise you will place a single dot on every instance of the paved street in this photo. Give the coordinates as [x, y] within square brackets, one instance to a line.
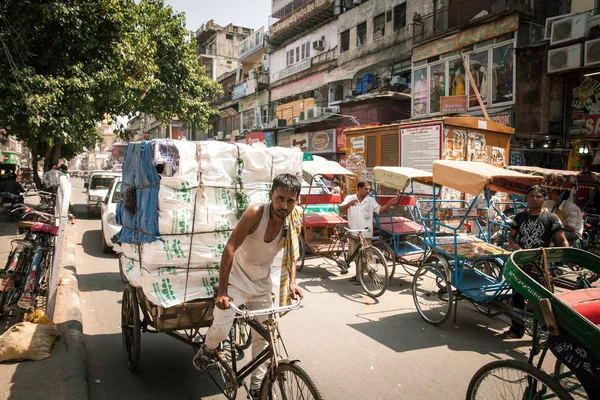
[354, 347]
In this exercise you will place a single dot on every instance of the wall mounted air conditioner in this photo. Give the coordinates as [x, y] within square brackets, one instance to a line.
[570, 28]
[550, 21]
[295, 120]
[265, 63]
[302, 115]
[328, 111]
[564, 59]
[319, 45]
[280, 123]
[310, 113]
[592, 53]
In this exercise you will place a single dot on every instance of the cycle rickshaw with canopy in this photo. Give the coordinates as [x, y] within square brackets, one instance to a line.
[324, 229]
[463, 266]
[400, 237]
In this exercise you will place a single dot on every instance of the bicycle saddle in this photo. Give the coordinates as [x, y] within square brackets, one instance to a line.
[39, 227]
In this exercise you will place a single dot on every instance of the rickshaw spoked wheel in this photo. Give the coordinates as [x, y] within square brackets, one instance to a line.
[131, 327]
[302, 250]
[389, 255]
[432, 293]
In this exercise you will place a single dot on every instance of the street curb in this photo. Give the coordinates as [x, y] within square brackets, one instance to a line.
[70, 322]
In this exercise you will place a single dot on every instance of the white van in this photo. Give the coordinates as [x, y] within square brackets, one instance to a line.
[97, 189]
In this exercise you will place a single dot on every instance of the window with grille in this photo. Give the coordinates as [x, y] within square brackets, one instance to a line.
[361, 34]
[297, 54]
[290, 57]
[345, 41]
[399, 16]
[379, 26]
[229, 36]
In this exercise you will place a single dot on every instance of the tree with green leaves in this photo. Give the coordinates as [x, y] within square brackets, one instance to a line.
[65, 64]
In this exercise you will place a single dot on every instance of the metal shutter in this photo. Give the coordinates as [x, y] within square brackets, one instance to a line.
[371, 160]
[389, 156]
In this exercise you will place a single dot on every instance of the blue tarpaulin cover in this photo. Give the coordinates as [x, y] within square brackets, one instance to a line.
[139, 172]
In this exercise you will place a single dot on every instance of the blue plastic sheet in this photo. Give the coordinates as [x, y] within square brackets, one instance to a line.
[139, 172]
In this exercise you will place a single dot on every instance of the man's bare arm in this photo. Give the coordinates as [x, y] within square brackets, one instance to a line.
[512, 236]
[248, 224]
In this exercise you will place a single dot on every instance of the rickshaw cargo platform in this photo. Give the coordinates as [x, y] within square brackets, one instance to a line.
[181, 201]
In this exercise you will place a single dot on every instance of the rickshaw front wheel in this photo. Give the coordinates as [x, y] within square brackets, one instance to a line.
[432, 293]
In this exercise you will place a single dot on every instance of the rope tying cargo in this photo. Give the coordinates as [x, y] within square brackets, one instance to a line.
[241, 198]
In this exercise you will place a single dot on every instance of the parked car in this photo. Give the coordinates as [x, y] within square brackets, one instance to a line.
[110, 227]
[97, 189]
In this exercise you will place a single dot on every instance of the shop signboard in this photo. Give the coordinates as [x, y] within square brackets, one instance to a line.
[291, 70]
[299, 140]
[467, 37]
[240, 91]
[255, 137]
[340, 140]
[269, 141]
[322, 142]
[300, 86]
[453, 104]
[283, 139]
[250, 102]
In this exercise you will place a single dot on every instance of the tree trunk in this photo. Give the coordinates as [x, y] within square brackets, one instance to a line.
[52, 155]
[34, 162]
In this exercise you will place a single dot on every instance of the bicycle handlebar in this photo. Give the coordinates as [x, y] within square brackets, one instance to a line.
[266, 311]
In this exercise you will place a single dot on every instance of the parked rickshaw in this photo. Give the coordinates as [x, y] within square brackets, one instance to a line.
[400, 237]
[325, 230]
[572, 325]
[463, 266]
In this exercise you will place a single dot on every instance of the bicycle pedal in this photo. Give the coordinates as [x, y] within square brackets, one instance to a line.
[344, 271]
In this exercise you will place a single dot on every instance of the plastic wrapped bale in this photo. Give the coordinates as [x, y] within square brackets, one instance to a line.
[171, 286]
[218, 164]
[130, 263]
[175, 250]
[215, 210]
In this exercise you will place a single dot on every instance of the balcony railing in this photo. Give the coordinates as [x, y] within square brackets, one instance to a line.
[461, 13]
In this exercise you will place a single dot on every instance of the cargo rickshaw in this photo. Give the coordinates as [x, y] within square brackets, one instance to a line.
[400, 236]
[566, 323]
[463, 266]
[325, 230]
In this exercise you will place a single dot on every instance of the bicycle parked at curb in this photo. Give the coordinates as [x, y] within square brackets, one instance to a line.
[25, 277]
[285, 378]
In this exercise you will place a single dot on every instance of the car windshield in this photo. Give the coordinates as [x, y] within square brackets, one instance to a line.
[101, 182]
[117, 196]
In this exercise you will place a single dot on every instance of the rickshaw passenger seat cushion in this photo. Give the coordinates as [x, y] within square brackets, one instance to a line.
[585, 301]
[402, 227]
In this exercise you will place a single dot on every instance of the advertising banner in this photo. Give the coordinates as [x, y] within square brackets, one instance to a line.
[299, 140]
[322, 142]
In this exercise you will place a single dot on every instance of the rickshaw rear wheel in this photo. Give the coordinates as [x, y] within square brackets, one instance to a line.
[390, 257]
[302, 250]
[432, 293]
[131, 327]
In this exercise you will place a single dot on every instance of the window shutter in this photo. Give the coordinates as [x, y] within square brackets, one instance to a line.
[389, 150]
[371, 160]
[390, 156]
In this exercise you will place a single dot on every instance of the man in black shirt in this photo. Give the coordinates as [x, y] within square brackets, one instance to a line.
[534, 228]
[11, 185]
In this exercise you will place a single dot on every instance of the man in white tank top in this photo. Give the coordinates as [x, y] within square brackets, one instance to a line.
[244, 277]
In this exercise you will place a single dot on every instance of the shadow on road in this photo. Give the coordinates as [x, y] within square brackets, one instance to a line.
[407, 331]
[91, 242]
[165, 370]
[101, 281]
